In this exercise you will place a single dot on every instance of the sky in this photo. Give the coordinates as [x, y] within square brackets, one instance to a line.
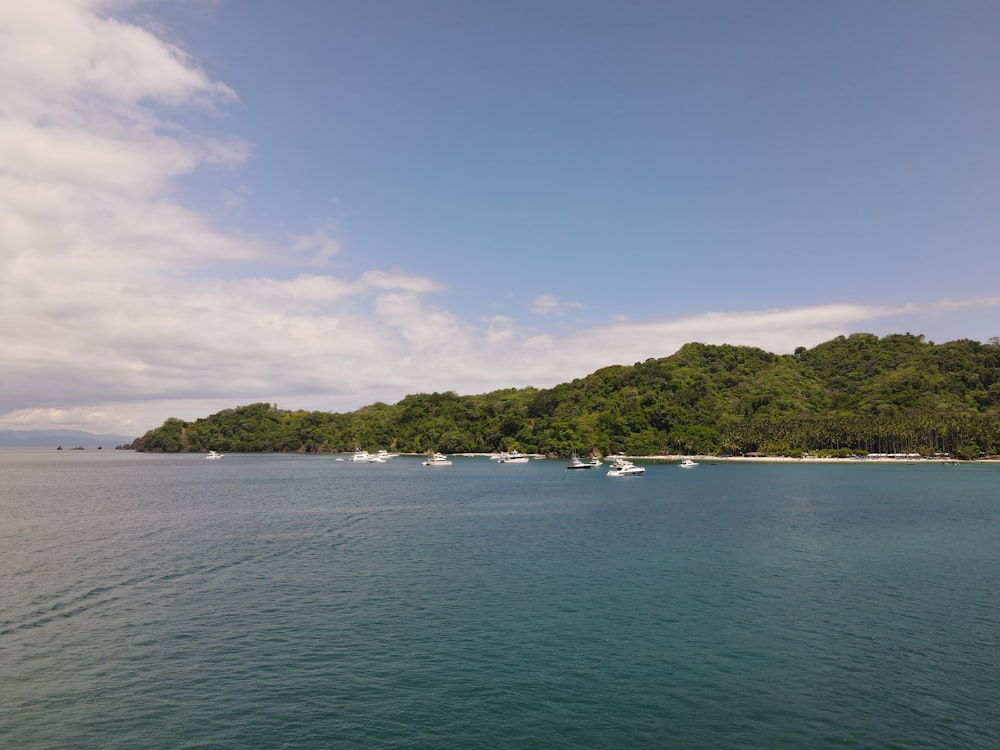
[325, 203]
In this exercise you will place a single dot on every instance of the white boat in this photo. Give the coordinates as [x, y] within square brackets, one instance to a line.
[687, 463]
[576, 463]
[364, 457]
[438, 459]
[385, 455]
[624, 468]
[513, 457]
[213, 456]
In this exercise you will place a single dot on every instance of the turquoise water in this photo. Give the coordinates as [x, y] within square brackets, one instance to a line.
[296, 601]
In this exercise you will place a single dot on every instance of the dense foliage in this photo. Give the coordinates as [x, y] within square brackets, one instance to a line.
[855, 394]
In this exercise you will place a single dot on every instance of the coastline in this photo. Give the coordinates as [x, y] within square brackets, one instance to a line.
[877, 458]
[821, 459]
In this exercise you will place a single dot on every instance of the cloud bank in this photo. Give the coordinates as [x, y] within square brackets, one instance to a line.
[120, 307]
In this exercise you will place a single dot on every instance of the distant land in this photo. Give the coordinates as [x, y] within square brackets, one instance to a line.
[54, 438]
[854, 395]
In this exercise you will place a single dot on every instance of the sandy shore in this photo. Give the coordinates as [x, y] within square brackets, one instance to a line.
[815, 459]
[769, 459]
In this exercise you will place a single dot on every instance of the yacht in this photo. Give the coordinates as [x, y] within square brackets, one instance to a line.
[622, 467]
[687, 463]
[576, 463]
[364, 457]
[438, 459]
[513, 457]
[213, 456]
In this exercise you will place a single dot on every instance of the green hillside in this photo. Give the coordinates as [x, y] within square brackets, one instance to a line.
[854, 394]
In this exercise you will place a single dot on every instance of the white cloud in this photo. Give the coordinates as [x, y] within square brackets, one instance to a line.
[950, 305]
[381, 280]
[233, 199]
[109, 322]
[94, 161]
[60, 56]
[320, 243]
[499, 329]
[547, 304]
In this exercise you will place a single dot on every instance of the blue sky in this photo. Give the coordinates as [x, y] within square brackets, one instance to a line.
[323, 204]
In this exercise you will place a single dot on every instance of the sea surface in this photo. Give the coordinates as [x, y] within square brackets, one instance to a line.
[297, 601]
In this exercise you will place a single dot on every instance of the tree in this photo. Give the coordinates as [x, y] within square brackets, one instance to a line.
[853, 393]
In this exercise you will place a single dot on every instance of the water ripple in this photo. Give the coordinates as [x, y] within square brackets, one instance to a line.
[296, 602]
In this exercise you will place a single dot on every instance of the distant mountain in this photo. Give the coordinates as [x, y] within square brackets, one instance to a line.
[55, 438]
[852, 395]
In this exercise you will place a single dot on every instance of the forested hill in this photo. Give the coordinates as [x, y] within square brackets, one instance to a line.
[854, 394]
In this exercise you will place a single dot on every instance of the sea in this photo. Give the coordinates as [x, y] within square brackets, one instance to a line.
[300, 601]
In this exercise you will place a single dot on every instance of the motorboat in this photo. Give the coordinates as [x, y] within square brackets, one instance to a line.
[213, 456]
[513, 457]
[622, 467]
[687, 463]
[576, 463]
[385, 455]
[438, 459]
[364, 457]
